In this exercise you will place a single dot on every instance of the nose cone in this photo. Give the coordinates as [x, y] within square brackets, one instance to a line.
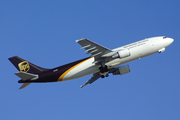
[168, 41]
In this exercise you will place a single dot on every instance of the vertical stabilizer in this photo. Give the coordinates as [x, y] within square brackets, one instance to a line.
[25, 66]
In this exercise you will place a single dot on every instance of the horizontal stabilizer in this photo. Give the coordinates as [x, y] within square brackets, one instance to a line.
[27, 76]
[24, 85]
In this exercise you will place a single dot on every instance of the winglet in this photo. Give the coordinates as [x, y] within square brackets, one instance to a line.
[84, 85]
[80, 40]
[77, 40]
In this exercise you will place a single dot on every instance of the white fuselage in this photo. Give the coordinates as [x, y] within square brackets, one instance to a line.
[137, 50]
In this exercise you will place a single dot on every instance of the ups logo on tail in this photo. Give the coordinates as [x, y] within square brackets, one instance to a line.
[24, 66]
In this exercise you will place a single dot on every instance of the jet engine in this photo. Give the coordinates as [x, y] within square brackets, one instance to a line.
[121, 70]
[161, 50]
[121, 54]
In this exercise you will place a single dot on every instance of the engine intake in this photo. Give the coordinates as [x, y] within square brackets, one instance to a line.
[121, 70]
[121, 54]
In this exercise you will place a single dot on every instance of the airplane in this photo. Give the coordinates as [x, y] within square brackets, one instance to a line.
[101, 63]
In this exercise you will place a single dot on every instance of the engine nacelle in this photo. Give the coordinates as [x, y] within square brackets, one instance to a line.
[122, 54]
[121, 70]
[161, 50]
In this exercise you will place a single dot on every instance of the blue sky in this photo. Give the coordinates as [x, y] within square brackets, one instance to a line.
[44, 33]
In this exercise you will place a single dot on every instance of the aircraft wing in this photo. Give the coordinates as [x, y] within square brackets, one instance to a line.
[93, 48]
[93, 78]
[96, 76]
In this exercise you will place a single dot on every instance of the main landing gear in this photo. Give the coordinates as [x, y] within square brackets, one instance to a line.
[104, 71]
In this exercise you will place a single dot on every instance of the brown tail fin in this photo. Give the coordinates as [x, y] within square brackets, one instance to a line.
[25, 66]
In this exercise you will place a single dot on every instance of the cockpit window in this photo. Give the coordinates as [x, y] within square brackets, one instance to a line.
[164, 37]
